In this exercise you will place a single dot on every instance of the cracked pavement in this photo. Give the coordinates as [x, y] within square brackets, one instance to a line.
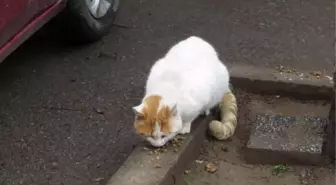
[65, 113]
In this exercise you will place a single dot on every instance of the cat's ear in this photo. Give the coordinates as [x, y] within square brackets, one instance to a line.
[174, 109]
[137, 110]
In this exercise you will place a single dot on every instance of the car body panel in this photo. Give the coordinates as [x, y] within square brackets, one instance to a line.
[13, 17]
[19, 19]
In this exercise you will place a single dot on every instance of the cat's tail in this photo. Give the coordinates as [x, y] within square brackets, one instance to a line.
[228, 112]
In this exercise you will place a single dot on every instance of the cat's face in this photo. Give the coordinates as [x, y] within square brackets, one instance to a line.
[156, 121]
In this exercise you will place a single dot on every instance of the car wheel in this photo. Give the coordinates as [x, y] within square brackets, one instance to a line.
[88, 20]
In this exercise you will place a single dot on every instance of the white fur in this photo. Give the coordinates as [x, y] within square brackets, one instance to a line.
[190, 76]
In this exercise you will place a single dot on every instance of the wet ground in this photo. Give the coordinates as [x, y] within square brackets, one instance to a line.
[223, 162]
[65, 113]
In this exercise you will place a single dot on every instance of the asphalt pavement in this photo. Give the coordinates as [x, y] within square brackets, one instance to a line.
[65, 114]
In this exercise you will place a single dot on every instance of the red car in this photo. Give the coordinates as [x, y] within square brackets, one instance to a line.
[78, 20]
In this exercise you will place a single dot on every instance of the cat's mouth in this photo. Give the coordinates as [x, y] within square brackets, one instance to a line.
[156, 142]
[162, 140]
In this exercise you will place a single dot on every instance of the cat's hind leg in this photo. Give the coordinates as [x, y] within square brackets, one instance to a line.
[207, 112]
[188, 119]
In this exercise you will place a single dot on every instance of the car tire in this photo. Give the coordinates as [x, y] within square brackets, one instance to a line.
[80, 25]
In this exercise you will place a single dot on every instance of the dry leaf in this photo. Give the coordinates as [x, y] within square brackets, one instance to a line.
[210, 167]
[317, 74]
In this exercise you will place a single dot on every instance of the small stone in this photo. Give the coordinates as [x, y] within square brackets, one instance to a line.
[158, 166]
[187, 172]
[304, 182]
[303, 174]
[156, 151]
[104, 55]
[199, 161]
[224, 149]
[98, 179]
[97, 110]
[280, 68]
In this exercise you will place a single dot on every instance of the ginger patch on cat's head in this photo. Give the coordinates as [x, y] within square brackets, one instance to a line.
[150, 114]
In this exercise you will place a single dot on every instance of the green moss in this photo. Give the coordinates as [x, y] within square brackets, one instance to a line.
[280, 168]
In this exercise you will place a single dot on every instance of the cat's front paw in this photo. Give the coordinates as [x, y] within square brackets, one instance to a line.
[184, 131]
[186, 128]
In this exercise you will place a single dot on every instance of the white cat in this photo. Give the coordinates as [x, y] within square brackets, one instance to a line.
[188, 81]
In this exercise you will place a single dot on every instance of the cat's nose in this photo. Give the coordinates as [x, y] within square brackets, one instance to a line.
[157, 137]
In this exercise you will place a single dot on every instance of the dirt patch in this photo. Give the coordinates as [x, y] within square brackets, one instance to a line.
[231, 169]
[227, 156]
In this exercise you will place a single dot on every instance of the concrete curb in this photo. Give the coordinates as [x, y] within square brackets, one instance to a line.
[270, 81]
[145, 167]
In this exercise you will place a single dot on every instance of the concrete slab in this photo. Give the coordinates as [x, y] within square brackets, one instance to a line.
[277, 139]
[148, 166]
[298, 84]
